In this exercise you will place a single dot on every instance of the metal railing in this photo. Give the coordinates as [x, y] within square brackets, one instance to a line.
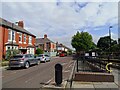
[95, 64]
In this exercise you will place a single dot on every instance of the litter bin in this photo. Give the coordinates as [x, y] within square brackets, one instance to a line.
[58, 74]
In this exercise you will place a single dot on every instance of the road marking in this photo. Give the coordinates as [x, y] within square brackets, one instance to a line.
[68, 65]
[67, 71]
[28, 80]
[48, 81]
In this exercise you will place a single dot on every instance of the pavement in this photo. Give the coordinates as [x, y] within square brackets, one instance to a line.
[97, 85]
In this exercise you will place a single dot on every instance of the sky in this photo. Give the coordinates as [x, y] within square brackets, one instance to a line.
[61, 20]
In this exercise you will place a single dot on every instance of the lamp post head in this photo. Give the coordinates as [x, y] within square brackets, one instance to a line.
[110, 27]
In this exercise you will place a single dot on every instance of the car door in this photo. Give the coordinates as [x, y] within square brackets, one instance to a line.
[47, 57]
[33, 59]
[30, 59]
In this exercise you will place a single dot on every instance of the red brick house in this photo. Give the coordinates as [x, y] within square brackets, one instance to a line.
[48, 46]
[15, 37]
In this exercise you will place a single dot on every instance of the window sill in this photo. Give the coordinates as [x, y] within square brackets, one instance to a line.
[24, 42]
[11, 41]
[20, 42]
[30, 43]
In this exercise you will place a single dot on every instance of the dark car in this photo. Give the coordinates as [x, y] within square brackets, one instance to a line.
[24, 60]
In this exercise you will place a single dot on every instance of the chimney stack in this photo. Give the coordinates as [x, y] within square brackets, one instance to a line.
[45, 36]
[21, 24]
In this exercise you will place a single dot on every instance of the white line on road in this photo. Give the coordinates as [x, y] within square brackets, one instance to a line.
[28, 80]
[48, 81]
[67, 71]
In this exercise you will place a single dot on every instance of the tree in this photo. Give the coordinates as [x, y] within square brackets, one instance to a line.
[82, 41]
[94, 46]
[115, 48]
[104, 42]
[39, 51]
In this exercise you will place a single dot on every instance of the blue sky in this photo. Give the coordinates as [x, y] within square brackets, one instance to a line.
[61, 20]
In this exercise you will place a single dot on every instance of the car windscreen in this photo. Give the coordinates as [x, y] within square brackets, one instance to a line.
[17, 56]
[40, 55]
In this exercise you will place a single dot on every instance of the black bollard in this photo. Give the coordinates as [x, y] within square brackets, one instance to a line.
[58, 74]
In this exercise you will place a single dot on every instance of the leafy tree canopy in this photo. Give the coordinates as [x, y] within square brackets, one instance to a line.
[82, 41]
[104, 42]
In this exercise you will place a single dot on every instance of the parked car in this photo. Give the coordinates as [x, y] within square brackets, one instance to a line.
[43, 58]
[61, 54]
[23, 60]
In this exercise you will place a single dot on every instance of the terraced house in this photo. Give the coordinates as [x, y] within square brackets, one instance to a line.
[48, 46]
[14, 36]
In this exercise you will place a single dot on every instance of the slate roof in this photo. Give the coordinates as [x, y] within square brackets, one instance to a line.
[42, 41]
[8, 24]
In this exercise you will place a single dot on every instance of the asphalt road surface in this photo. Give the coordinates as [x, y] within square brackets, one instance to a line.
[36, 76]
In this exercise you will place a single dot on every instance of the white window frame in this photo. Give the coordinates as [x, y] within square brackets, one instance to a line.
[24, 37]
[9, 35]
[20, 36]
[30, 40]
[10, 31]
[14, 47]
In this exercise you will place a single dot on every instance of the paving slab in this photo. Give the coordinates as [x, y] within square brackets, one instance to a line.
[111, 85]
[95, 85]
[82, 85]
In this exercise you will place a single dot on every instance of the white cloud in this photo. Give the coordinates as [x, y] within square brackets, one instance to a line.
[61, 21]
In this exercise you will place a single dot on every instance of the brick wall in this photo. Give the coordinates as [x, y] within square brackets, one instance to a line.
[1, 42]
[5, 40]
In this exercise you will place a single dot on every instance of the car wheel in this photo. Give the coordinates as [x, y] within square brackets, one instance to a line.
[27, 65]
[45, 60]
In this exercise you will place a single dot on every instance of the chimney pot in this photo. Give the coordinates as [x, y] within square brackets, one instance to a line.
[21, 24]
[45, 36]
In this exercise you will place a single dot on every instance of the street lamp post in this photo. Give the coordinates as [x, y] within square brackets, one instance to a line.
[109, 46]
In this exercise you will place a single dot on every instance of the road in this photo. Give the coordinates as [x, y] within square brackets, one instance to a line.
[36, 76]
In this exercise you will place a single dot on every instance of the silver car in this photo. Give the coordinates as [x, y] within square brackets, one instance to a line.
[24, 60]
[43, 58]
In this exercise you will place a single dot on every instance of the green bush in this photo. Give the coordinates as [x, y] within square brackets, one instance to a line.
[39, 51]
[5, 63]
[10, 53]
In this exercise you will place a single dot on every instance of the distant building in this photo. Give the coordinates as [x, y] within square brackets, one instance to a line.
[62, 48]
[48, 46]
[15, 37]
